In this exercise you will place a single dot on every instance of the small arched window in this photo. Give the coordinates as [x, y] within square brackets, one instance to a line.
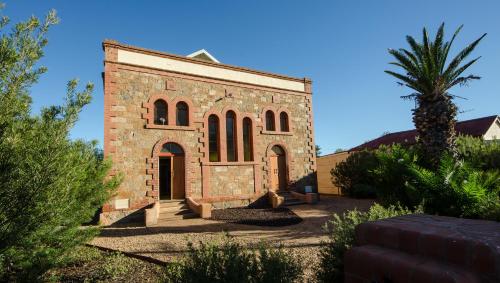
[284, 122]
[231, 136]
[270, 121]
[160, 112]
[172, 148]
[247, 139]
[182, 114]
[213, 138]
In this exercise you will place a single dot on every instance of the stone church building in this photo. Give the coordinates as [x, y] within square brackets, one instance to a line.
[181, 127]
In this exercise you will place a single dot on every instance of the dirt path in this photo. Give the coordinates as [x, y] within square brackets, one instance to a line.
[167, 242]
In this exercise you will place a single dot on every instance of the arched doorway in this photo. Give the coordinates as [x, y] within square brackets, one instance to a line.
[277, 167]
[172, 172]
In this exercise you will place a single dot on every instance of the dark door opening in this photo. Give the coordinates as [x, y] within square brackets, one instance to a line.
[165, 178]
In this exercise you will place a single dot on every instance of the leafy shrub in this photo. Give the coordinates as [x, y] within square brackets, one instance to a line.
[392, 176]
[480, 154]
[49, 183]
[352, 175]
[230, 262]
[275, 265]
[89, 264]
[457, 189]
[340, 231]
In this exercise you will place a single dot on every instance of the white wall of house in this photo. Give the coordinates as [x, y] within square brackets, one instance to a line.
[493, 132]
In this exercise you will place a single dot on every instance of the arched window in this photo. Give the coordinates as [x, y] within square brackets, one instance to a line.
[247, 139]
[213, 138]
[284, 122]
[160, 112]
[182, 114]
[172, 148]
[278, 150]
[270, 121]
[231, 136]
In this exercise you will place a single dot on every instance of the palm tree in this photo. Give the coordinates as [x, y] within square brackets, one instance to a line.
[430, 78]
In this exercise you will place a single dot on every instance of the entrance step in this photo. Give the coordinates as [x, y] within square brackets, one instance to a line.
[174, 210]
[290, 199]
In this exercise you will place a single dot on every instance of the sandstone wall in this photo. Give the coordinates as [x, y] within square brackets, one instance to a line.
[130, 143]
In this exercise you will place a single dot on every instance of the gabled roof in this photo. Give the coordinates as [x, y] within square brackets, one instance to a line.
[475, 127]
[202, 54]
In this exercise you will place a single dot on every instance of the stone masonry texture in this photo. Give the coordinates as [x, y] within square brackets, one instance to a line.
[131, 139]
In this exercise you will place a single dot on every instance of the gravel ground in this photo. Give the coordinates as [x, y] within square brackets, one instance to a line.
[168, 242]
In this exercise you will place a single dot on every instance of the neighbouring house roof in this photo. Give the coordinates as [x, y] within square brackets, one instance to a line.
[475, 127]
[203, 55]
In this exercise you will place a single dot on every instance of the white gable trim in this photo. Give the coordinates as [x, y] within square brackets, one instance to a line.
[203, 51]
[493, 132]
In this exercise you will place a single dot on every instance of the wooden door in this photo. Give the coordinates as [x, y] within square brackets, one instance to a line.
[282, 172]
[274, 173]
[178, 177]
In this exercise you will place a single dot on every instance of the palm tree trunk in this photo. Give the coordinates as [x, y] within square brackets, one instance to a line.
[434, 119]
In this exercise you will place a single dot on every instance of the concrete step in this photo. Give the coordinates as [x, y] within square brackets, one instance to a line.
[169, 203]
[290, 202]
[175, 212]
[173, 217]
[173, 208]
[290, 199]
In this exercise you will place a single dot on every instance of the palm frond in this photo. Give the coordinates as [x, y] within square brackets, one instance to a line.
[408, 81]
[448, 46]
[405, 62]
[410, 96]
[429, 64]
[460, 70]
[437, 49]
[415, 47]
[463, 81]
[461, 56]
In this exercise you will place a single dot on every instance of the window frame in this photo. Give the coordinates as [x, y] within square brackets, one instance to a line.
[177, 114]
[247, 150]
[286, 123]
[270, 121]
[231, 131]
[217, 138]
[155, 112]
[149, 115]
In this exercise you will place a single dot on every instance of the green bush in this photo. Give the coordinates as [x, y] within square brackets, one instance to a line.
[353, 176]
[230, 262]
[480, 154]
[340, 231]
[276, 265]
[49, 183]
[457, 189]
[392, 176]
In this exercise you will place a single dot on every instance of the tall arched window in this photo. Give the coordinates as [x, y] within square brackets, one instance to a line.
[231, 146]
[213, 138]
[284, 122]
[182, 114]
[160, 112]
[270, 121]
[247, 139]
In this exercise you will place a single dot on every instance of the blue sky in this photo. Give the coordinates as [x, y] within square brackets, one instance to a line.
[341, 45]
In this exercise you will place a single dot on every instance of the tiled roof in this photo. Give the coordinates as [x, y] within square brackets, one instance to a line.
[475, 127]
